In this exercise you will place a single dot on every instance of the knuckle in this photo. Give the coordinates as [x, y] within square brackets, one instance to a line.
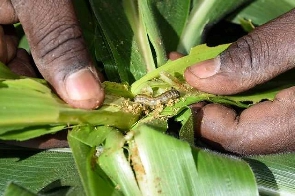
[59, 39]
[242, 55]
[254, 58]
[62, 49]
[55, 34]
[7, 14]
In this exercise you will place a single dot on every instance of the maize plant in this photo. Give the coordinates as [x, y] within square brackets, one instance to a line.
[141, 140]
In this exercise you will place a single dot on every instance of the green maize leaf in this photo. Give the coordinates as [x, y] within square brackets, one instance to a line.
[96, 42]
[184, 171]
[170, 17]
[104, 55]
[95, 39]
[5, 73]
[22, 107]
[90, 135]
[130, 31]
[197, 54]
[117, 89]
[25, 133]
[38, 171]
[87, 23]
[160, 123]
[267, 90]
[16, 190]
[148, 17]
[110, 115]
[135, 18]
[247, 25]
[254, 95]
[275, 174]
[113, 161]
[118, 33]
[186, 132]
[262, 11]
[183, 102]
[240, 175]
[23, 42]
[166, 166]
[202, 14]
[94, 180]
[26, 83]
[26, 105]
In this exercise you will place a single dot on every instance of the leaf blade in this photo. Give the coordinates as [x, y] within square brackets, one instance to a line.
[185, 170]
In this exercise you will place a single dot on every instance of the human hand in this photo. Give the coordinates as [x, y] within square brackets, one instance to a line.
[267, 127]
[57, 47]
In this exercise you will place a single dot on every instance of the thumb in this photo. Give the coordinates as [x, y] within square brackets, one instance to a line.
[59, 50]
[253, 59]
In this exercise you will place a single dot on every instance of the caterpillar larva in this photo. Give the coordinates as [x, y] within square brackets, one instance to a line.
[161, 99]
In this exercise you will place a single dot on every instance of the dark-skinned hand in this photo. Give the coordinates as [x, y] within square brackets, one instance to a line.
[266, 127]
[57, 47]
[59, 53]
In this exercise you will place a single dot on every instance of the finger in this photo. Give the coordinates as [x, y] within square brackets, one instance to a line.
[23, 65]
[11, 41]
[59, 50]
[7, 13]
[3, 50]
[174, 55]
[264, 128]
[8, 43]
[253, 59]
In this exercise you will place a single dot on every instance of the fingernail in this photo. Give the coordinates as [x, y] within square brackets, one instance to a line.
[82, 85]
[206, 68]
